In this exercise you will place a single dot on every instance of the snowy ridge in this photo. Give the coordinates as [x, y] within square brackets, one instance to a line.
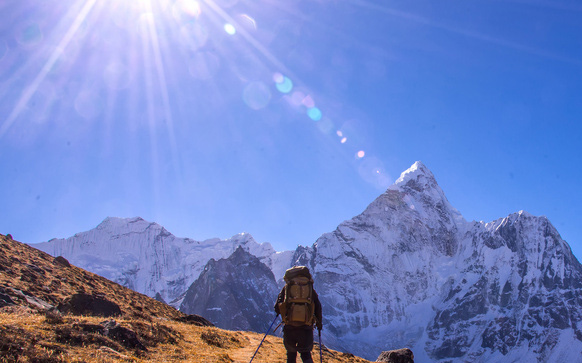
[147, 258]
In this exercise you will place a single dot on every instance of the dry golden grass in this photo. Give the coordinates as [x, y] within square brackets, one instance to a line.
[36, 338]
[30, 334]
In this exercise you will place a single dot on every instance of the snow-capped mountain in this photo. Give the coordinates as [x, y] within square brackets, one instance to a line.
[147, 258]
[408, 271]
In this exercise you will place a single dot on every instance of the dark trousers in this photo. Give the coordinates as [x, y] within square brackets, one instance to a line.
[305, 357]
[298, 339]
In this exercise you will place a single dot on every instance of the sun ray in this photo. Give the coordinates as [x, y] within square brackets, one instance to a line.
[153, 36]
[149, 90]
[33, 87]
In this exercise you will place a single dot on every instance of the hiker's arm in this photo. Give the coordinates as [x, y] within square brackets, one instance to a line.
[279, 300]
[318, 314]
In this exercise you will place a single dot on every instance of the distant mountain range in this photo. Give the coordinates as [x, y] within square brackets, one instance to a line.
[408, 271]
[147, 258]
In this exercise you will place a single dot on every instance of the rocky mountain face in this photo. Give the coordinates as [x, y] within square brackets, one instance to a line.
[236, 293]
[517, 295]
[409, 271]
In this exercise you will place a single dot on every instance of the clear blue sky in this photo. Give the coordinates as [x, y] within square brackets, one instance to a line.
[284, 118]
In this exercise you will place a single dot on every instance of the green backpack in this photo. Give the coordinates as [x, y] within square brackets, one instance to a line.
[298, 307]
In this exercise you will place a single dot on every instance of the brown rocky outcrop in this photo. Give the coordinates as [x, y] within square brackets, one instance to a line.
[403, 355]
[60, 260]
[94, 305]
[194, 320]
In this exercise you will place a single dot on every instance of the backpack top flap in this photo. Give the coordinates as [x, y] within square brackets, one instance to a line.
[296, 271]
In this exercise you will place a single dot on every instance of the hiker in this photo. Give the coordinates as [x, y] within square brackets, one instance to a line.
[300, 309]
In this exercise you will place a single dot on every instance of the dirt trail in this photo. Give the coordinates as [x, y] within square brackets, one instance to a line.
[272, 350]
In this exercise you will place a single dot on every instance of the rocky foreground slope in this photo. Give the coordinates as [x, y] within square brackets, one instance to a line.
[53, 312]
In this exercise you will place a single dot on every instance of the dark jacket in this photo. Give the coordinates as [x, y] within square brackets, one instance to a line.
[318, 316]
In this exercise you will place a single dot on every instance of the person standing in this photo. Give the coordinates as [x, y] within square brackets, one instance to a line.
[300, 309]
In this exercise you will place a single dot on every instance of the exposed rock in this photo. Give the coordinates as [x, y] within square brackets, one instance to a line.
[38, 303]
[8, 294]
[86, 333]
[403, 355]
[60, 260]
[194, 320]
[35, 268]
[83, 304]
[5, 300]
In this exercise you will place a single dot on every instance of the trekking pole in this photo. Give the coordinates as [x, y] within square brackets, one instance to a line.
[320, 353]
[253, 357]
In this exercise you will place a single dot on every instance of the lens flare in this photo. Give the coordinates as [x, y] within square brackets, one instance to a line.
[283, 84]
[360, 154]
[371, 169]
[297, 98]
[186, 7]
[30, 35]
[325, 125]
[314, 113]
[256, 95]
[41, 103]
[286, 86]
[88, 104]
[247, 21]
[308, 102]
[278, 77]
[343, 141]
[229, 29]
